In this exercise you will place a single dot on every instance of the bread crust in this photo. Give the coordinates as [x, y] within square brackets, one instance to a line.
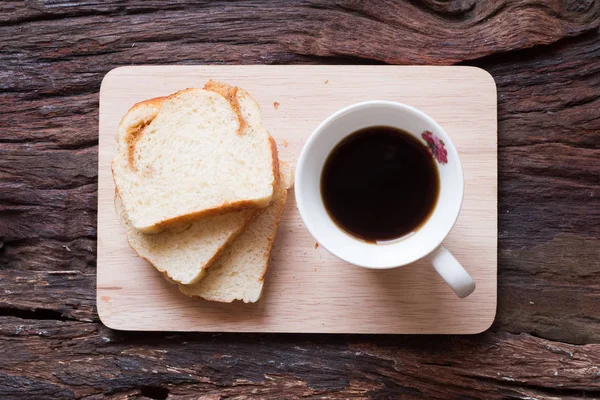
[272, 239]
[135, 132]
[275, 164]
[231, 95]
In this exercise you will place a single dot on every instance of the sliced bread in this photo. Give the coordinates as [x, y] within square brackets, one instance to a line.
[184, 253]
[239, 273]
[196, 153]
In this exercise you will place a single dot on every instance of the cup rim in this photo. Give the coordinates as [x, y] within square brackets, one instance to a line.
[305, 156]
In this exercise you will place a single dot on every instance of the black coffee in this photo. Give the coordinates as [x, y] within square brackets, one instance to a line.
[380, 183]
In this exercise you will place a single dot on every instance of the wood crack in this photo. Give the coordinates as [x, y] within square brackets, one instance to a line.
[38, 314]
[575, 146]
[451, 11]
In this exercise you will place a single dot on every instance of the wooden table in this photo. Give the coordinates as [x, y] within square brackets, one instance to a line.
[545, 58]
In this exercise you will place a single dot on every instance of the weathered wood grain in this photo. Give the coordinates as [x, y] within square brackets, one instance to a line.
[53, 54]
[551, 290]
[549, 139]
[44, 56]
[549, 144]
[549, 190]
[73, 359]
[374, 30]
[54, 122]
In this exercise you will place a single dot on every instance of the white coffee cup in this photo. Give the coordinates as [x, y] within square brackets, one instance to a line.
[427, 240]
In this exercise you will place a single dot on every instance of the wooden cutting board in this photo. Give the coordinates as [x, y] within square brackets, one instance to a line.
[307, 289]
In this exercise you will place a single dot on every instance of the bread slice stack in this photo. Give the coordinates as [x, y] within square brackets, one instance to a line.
[200, 190]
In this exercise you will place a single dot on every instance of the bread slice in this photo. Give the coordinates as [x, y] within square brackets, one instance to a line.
[184, 253]
[196, 153]
[239, 273]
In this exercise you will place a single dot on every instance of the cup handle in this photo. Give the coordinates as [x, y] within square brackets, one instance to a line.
[452, 272]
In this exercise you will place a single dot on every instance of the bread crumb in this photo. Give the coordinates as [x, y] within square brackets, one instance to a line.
[276, 105]
[531, 302]
[284, 142]
[327, 81]
[316, 245]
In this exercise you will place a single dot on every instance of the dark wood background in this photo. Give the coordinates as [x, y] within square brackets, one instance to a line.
[545, 58]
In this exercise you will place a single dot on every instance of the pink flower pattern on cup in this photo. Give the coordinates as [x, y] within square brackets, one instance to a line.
[436, 146]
